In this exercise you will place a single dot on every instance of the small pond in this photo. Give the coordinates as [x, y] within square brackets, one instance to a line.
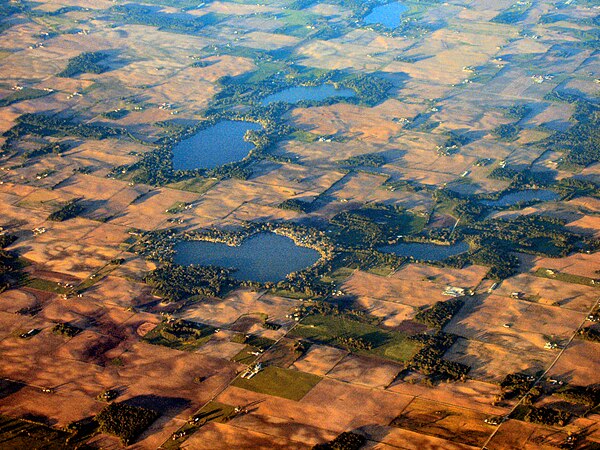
[214, 146]
[388, 15]
[262, 257]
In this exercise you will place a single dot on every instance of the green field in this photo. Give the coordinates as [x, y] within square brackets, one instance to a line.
[286, 383]
[197, 185]
[211, 412]
[180, 335]
[329, 329]
[45, 285]
[566, 277]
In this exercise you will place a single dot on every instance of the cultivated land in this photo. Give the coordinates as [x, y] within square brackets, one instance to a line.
[463, 102]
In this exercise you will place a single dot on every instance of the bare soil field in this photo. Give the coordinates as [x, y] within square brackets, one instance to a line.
[413, 293]
[517, 325]
[518, 435]
[470, 89]
[221, 436]
[471, 394]
[360, 370]
[451, 423]
[550, 292]
[491, 362]
[221, 312]
[583, 356]
[320, 359]
[393, 315]
[468, 277]
[391, 437]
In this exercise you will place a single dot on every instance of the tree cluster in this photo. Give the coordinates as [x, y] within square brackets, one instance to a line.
[372, 225]
[71, 209]
[429, 360]
[125, 421]
[581, 142]
[589, 334]
[133, 13]
[23, 94]
[440, 313]
[546, 416]
[515, 385]
[366, 160]
[56, 148]
[588, 396]
[86, 62]
[174, 282]
[345, 441]
[66, 329]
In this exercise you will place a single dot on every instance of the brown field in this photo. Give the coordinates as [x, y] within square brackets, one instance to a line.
[468, 277]
[491, 362]
[391, 314]
[319, 359]
[364, 371]
[582, 356]
[221, 312]
[148, 211]
[220, 347]
[519, 435]
[221, 436]
[576, 264]
[529, 325]
[451, 423]
[121, 292]
[334, 55]
[372, 125]
[413, 293]
[550, 292]
[421, 176]
[471, 394]
[16, 299]
[391, 437]
[345, 406]
[298, 178]
[453, 70]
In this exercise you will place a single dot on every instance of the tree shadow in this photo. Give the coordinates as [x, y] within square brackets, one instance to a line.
[9, 387]
[39, 418]
[166, 406]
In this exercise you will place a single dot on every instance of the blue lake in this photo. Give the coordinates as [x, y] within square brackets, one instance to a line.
[214, 146]
[314, 93]
[262, 257]
[527, 195]
[425, 251]
[388, 15]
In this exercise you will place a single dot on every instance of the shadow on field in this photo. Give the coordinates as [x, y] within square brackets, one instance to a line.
[9, 387]
[168, 406]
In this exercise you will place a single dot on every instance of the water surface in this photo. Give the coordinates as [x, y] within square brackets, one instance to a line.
[425, 251]
[214, 146]
[527, 195]
[313, 93]
[262, 257]
[388, 15]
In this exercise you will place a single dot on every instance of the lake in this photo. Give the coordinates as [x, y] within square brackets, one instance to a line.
[527, 195]
[388, 15]
[262, 257]
[314, 93]
[425, 251]
[214, 146]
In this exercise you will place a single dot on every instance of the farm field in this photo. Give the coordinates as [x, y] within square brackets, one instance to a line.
[439, 164]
